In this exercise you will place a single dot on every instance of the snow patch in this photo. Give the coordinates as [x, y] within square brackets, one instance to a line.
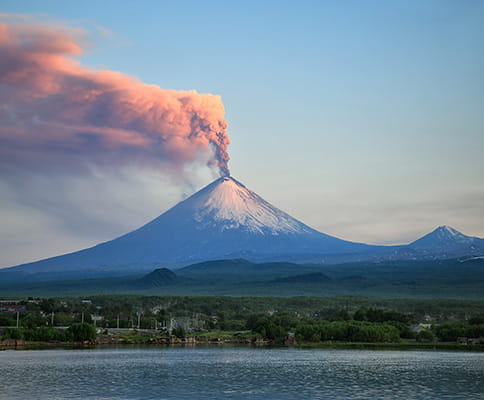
[472, 258]
[230, 205]
[450, 231]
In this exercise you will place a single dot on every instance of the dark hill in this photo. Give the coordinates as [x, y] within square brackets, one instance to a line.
[242, 270]
[159, 277]
[217, 266]
[315, 277]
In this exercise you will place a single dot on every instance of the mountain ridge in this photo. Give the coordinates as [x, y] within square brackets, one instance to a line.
[226, 220]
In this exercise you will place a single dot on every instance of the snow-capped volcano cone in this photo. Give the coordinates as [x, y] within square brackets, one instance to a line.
[227, 204]
[226, 219]
[223, 220]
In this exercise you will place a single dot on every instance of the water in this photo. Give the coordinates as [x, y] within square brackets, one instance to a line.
[240, 373]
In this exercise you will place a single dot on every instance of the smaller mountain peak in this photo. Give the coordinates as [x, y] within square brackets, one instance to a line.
[448, 230]
[443, 238]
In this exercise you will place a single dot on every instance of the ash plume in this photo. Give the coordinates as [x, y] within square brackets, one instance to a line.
[58, 114]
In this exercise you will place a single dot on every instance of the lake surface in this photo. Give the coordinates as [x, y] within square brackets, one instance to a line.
[239, 373]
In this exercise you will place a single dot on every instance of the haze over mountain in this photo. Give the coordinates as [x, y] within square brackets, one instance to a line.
[223, 220]
[227, 220]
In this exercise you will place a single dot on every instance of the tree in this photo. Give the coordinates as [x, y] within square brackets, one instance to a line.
[7, 320]
[30, 321]
[341, 315]
[47, 305]
[476, 320]
[360, 315]
[425, 336]
[450, 331]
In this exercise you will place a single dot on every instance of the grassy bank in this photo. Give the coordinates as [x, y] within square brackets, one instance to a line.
[390, 346]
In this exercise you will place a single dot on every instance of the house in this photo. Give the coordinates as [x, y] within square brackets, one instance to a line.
[461, 340]
[464, 340]
[420, 328]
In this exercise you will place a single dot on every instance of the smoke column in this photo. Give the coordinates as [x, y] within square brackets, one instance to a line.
[57, 114]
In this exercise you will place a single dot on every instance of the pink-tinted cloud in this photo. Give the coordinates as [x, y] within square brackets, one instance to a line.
[56, 113]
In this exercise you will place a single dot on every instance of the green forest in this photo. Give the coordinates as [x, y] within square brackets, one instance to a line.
[308, 319]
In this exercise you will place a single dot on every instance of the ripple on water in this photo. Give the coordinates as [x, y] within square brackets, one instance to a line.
[240, 373]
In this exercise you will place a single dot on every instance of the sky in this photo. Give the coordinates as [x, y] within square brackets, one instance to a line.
[363, 119]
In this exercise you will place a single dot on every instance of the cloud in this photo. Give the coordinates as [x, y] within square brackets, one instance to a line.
[57, 115]
[87, 155]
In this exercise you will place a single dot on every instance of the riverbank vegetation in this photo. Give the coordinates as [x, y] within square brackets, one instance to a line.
[301, 320]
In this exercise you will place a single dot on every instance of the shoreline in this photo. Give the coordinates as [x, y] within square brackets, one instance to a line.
[261, 343]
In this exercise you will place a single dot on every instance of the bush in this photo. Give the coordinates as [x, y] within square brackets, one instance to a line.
[349, 331]
[179, 332]
[43, 334]
[12, 333]
[81, 332]
[269, 328]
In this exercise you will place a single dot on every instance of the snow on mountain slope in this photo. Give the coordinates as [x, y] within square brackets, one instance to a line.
[228, 204]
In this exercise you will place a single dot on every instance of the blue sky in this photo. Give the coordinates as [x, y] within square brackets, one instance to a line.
[361, 118]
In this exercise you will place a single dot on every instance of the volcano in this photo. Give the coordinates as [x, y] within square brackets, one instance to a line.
[445, 240]
[223, 220]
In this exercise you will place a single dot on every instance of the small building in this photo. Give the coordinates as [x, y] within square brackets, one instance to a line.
[290, 339]
[12, 308]
[420, 328]
[96, 318]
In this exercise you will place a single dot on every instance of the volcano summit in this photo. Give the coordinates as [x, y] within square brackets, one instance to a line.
[223, 220]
